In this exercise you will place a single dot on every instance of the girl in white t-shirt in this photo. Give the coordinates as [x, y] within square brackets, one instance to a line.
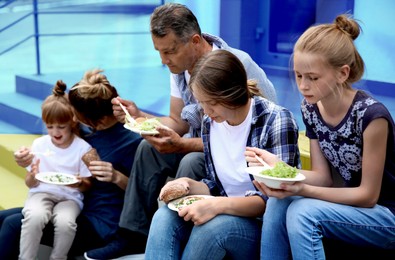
[59, 151]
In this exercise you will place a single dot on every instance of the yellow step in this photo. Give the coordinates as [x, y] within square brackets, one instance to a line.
[13, 190]
[9, 143]
[304, 149]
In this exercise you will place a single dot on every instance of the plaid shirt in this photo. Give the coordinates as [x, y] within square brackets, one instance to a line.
[192, 112]
[273, 128]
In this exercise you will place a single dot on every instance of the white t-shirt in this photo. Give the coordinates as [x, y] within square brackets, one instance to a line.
[65, 160]
[228, 144]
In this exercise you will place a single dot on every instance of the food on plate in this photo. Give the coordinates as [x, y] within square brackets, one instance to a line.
[58, 178]
[187, 201]
[143, 124]
[174, 191]
[281, 170]
[91, 155]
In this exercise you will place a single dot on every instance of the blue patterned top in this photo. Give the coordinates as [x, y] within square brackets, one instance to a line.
[342, 145]
[273, 128]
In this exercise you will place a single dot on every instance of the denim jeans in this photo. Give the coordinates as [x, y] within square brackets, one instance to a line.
[298, 224]
[224, 236]
[149, 173]
[10, 228]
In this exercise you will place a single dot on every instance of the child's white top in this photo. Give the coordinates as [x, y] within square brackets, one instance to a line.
[64, 160]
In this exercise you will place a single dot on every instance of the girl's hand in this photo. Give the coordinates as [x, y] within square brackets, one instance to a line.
[23, 157]
[266, 156]
[285, 190]
[30, 178]
[78, 183]
[200, 211]
[83, 184]
[174, 190]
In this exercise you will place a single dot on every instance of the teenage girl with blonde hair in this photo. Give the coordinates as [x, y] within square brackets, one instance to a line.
[349, 131]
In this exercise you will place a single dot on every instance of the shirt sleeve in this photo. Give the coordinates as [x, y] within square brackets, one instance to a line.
[283, 138]
[174, 90]
[254, 72]
[308, 115]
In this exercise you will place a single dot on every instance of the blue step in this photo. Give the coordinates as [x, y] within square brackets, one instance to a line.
[148, 87]
[33, 86]
[22, 111]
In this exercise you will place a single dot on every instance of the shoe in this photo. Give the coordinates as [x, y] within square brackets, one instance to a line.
[115, 249]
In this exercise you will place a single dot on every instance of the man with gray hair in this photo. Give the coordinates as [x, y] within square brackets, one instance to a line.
[177, 150]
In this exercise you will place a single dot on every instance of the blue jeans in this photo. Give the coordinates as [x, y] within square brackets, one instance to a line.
[10, 228]
[224, 236]
[298, 224]
[149, 173]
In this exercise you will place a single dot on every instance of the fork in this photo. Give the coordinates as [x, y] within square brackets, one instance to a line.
[262, 161]
[128, 116]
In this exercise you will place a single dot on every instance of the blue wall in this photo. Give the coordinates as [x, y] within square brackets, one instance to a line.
[259, 21]
[377, 41]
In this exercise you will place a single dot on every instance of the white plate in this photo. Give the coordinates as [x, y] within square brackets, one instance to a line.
[139, 131]
[57, 178]
[177, 204]
[272, 182]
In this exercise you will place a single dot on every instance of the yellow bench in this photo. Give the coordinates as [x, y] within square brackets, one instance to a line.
[304, 149]
[13, 190]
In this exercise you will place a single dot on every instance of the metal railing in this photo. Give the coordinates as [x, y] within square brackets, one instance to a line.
[36, 34]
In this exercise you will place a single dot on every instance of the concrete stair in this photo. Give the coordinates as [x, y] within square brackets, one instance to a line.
[22, 111]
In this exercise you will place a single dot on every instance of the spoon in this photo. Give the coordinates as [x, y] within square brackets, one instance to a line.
[46, 153]
[262, 161]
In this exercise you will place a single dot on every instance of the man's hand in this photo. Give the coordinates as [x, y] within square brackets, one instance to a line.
[132, 108]
[167, 141]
